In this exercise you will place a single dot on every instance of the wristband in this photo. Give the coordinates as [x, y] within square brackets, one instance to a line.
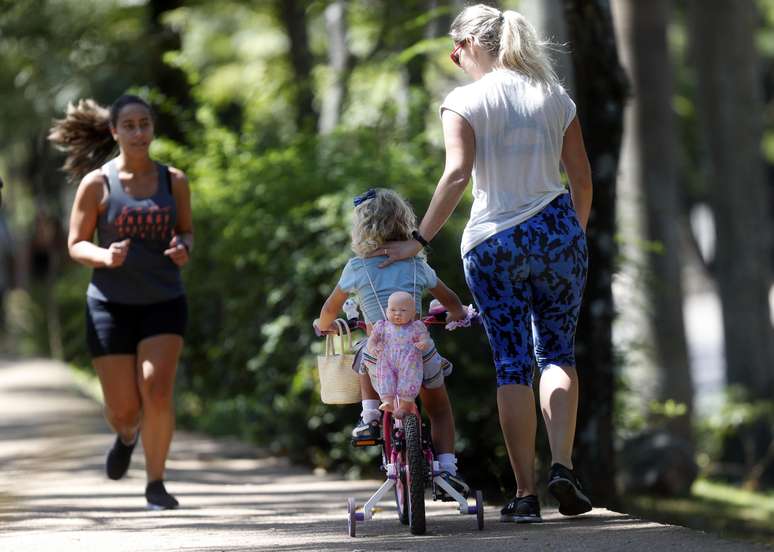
[417, 236]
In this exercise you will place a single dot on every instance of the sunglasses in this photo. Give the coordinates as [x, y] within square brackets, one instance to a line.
[455, 54]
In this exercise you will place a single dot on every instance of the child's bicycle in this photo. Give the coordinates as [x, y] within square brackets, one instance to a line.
[408, 461]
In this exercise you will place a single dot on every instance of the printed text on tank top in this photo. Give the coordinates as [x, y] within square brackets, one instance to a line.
[148, 221]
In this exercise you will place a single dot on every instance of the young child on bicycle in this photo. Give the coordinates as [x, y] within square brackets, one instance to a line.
[381, 216]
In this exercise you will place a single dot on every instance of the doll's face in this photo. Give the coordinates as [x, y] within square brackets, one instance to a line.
[400, 308]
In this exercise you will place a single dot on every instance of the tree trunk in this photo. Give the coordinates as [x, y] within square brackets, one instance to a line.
[340, 66]
[730, 106]
[600, 91]
[650, 156]
[292, 15]
[48, 240]
[548, 18]
[171, 81]
[414, 96]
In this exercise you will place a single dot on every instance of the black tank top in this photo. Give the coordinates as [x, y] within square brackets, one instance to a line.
[147, 275]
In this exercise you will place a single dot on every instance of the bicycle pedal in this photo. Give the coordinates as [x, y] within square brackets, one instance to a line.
[365, 442]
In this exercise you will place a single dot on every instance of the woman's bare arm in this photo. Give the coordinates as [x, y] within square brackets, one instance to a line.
[460, 143]
[576, 165]
[184, 225]
[83, 221]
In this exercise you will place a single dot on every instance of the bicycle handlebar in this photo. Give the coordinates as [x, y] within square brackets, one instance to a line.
[436, 317]
[430, 320]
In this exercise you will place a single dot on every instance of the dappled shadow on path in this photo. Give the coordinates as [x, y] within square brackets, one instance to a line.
[54, 496]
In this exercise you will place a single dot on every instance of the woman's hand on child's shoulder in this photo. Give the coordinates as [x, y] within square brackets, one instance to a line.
[396, 251]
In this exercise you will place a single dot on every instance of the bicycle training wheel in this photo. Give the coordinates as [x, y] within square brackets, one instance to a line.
[480, 510]
[351, 517]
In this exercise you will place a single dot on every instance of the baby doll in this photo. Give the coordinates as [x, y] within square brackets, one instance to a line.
[397, 343]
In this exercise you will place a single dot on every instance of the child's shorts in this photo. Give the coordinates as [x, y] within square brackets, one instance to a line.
[528, 284]
[436, 368]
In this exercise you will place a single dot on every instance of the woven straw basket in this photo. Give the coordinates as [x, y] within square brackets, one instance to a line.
[339, 384]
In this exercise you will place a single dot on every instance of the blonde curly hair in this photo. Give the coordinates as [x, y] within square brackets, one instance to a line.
[382, 218]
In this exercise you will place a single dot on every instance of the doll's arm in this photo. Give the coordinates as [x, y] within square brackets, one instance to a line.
[376, 339]
[421, 337]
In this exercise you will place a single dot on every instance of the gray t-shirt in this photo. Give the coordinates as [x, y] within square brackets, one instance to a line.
[399, 276]
[147, 275]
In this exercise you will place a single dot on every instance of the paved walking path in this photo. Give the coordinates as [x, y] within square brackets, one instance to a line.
[54, 496]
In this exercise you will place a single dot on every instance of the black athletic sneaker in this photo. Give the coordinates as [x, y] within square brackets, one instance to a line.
[524, 509]
[365, 434]
[158, 498]
[567, 490]
[456, 482]
[118, 458]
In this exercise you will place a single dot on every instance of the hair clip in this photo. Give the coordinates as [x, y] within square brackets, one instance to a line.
[370, 194]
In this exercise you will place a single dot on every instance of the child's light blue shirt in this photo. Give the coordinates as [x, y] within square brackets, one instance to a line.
[398, 276]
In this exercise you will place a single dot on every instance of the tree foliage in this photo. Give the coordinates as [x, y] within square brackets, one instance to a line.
[272, 197]
[239, 88]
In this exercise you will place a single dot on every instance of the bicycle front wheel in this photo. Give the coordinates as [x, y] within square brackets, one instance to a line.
[416, 473]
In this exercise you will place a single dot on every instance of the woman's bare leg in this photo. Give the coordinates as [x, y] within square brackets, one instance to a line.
[157, 358]
[118, 378]
[559, 403]
[518, 420]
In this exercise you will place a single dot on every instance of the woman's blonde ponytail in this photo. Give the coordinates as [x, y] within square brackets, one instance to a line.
[522, 50]
[508, 37]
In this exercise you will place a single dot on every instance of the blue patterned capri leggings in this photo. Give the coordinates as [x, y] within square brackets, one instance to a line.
[528, 282]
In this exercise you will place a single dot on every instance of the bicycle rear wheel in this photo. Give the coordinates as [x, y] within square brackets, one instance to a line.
[416, 473]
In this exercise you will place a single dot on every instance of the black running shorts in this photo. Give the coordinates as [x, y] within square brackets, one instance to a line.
[117, 329]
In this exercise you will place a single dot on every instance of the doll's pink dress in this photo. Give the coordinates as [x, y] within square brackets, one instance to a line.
[399, 363]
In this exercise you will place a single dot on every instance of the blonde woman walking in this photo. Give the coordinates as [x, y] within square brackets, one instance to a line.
[524, 246]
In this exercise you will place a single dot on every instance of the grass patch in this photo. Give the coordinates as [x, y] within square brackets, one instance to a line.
[713, 507]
